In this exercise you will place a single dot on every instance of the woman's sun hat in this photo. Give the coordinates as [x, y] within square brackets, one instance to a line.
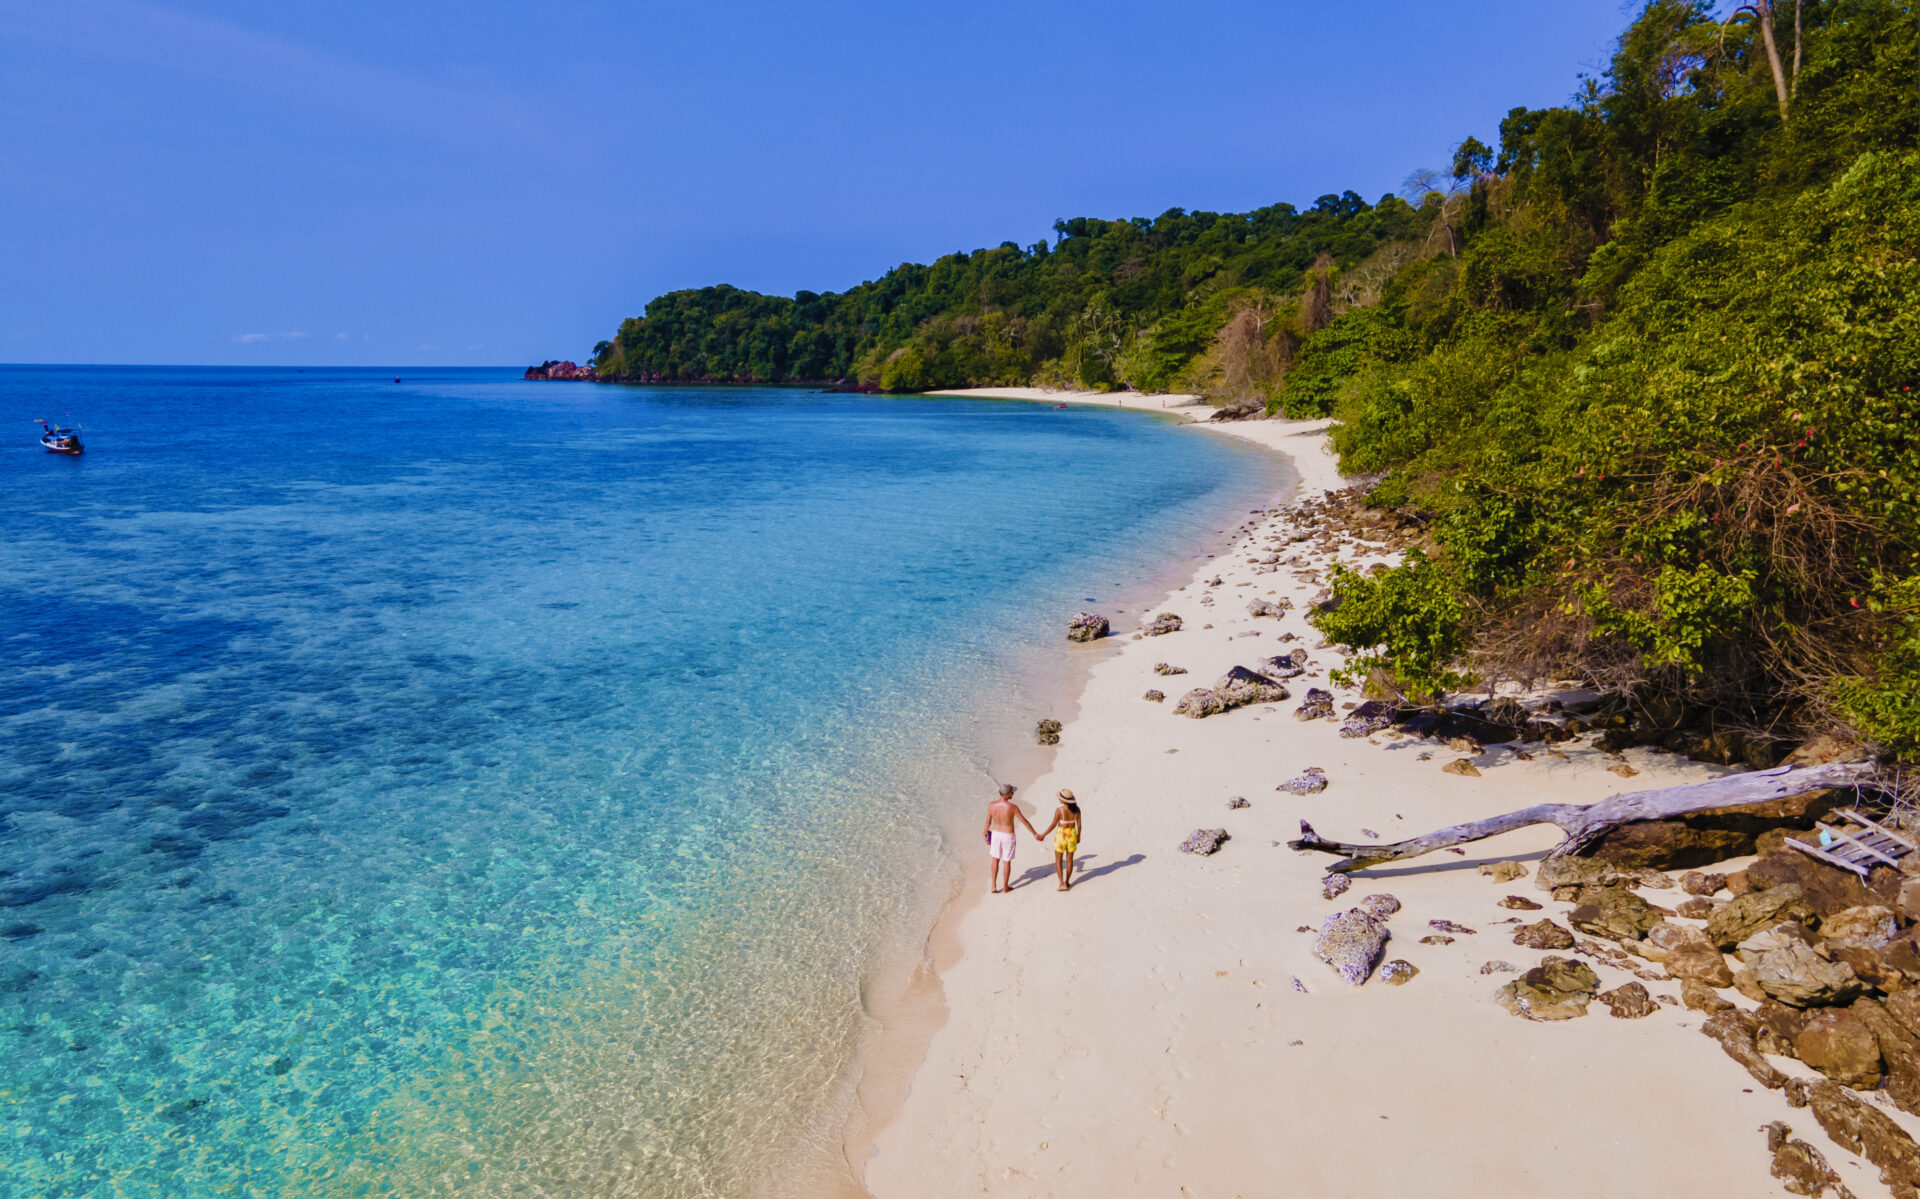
[1066, 795]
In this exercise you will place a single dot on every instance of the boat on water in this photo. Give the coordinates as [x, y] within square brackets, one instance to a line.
[60, 441]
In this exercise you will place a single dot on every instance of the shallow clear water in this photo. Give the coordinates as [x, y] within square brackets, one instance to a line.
[473, 785]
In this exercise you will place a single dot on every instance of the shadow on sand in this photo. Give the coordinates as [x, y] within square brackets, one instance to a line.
[1041, 874]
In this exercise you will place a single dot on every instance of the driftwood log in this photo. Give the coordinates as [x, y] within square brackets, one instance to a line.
[1587, 824]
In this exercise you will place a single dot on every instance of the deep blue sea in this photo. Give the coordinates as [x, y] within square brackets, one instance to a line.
[464, 785]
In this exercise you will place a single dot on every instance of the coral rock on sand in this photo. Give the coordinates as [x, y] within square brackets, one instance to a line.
[1168, 668]
[1736, 1030]
[1351, 942]
[1448, 926]
[1789, 970]
[1087, 626]
[1702, 998]
[1695, 882]
[1285, 666]
[1498, 967]
[1155, 695]
[1433, 938]
[1629, 1001]
[1266, 607]
[1238, 801]
[1235, 689]
[1461, 767]
[1838, 1043]
[1756, 910]
[1519, 903]
[1368, 719]
[1203, 841]
[1687, 954]
[1318, 705]
[1047, 732]
[1543, 935]
[1503, 872]
[1379, 906]
[1800, 1167]
[1614, 913]
[1555, 873]
[1398, 972]
[1859, 1128]
[1557, 989]
[1333, 886]
[1311, 781]
[1164, 623]
[1697, 908]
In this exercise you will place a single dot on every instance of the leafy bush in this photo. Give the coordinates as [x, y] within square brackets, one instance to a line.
[1408, 624]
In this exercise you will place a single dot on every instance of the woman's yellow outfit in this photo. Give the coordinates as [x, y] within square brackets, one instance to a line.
[1067, 839]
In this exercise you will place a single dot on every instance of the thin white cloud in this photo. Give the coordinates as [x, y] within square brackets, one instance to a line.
[247, 339]
[135, 32]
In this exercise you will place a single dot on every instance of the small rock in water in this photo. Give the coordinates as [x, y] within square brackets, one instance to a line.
[1448, 926]
[1204, 841]
[1168, 668]
[1398, 972]
[1351, 944]
[1312, 780]
[1462, 767]
[1047, 732]
[1503, 872]
[1519, 903]
[1436, 939]
[1318, 705]
[1629, 1001]
[1087, 626]
[1164, 623]
[1499, 967]
[1333, 886]
[1156, 696]
[1379, 906]
[1238, 801]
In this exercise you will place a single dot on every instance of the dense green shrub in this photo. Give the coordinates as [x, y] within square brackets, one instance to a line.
[1409, 624]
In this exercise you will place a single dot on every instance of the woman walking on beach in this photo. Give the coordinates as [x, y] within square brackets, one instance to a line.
[1066, 841]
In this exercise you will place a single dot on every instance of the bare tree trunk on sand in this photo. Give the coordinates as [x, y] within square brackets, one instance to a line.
[1585, 824]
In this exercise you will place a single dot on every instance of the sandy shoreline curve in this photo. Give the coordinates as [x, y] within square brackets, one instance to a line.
[1162, 1029]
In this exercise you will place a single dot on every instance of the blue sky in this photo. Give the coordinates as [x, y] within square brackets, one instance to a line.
[473, 182]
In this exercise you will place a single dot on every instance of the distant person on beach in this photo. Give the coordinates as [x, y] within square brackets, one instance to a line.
[1001, 814]
[1066, 841]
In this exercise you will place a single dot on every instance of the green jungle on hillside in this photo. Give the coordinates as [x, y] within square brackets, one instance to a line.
[1644, 369]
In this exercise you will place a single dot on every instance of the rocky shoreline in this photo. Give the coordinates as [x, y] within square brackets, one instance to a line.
[1208, 1040]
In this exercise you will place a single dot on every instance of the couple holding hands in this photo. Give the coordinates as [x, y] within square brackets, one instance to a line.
[1001, 814]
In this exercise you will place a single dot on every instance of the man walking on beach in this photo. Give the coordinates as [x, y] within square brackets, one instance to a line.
[1001, 814]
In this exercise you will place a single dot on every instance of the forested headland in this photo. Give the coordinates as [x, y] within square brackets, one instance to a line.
[1643, 365]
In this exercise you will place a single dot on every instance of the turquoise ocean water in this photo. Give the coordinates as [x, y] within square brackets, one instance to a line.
[463, 785]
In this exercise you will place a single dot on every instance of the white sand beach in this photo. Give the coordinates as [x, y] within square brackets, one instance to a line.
[1163, 1029]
